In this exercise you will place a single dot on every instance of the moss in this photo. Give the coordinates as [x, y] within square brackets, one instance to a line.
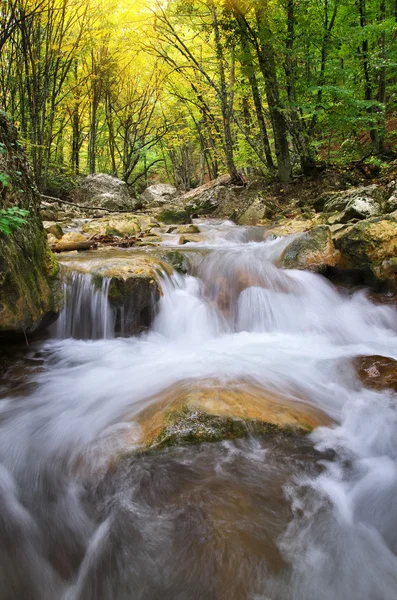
[29, 287]
[187, 426]
[171, 216]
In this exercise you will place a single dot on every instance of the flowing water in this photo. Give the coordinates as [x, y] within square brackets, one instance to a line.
[280, 518]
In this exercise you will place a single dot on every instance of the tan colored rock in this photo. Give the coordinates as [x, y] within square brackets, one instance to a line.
[71, 241]
[123, 225]
[288, 227]
[209, 410]
[377, 372]
[54, 228]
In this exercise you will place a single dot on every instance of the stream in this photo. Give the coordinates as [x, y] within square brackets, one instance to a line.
[85, 517]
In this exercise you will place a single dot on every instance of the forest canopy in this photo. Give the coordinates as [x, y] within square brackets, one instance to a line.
[186, 90]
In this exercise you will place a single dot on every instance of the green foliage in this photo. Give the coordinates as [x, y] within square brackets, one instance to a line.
[12, 218]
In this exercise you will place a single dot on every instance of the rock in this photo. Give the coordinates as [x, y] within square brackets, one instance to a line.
[210, 411]
[104, 191]
[377, 372]
[177, 259]
[357, 203]
[72, 241]
[313, 251]
[122, 225]
[288, 227]
[207, 198]
[173, 214]
[187, 239]
[159, 194]
[54, 228]
[183, 229]
[369, 246]
[30, 289]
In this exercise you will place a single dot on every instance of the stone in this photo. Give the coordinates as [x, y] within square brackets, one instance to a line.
[377, 372]
[71, 241]
[104, 191]
[288, 227]
[369, 246]
[312, 251]
[210, 411]
[54, 228]
[174, 215]
[30, 289]
[357, 203]
[122, 225]
[159, 194]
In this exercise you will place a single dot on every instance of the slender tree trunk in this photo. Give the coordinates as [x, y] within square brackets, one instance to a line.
[268, 68]
[226, 104]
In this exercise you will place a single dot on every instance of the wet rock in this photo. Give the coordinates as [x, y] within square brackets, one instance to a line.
[123, 225]
[313, 251]
[211, 411]
[174, 215]
[377, 372]
[159, 194]
[30, 289]
[104, 191]
[357, 203]
[54, 228]
[187, 239]
[369, 246]
[288, 227]
[183, 229]
[71, 241]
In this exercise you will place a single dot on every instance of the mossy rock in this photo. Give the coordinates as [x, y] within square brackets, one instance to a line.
[171, 216]
[30, 289]
[313, 251]
[370, 246]
[212, 411]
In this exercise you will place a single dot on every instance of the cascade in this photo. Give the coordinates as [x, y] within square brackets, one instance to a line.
[84, 517]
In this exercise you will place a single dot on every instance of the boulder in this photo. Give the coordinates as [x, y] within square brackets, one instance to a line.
[71, 241]
[313, 251]
[357, 203]
[171, 215]
[211, 411]
[134, 288]
[30, 289]
[54, 228]
[122, 225]
[104, 191]
[159, 194]
[377, 372]
[369, 246]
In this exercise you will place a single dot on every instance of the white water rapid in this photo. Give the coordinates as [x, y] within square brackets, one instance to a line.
[284, 518]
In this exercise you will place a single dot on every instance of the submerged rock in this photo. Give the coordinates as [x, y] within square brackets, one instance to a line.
[377, 372]
[30, 290]
[312, 251]
[211, 411]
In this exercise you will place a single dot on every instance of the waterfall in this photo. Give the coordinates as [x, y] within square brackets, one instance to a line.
[87, 314]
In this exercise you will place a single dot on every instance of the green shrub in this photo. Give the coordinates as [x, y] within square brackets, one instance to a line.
[12, 218]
